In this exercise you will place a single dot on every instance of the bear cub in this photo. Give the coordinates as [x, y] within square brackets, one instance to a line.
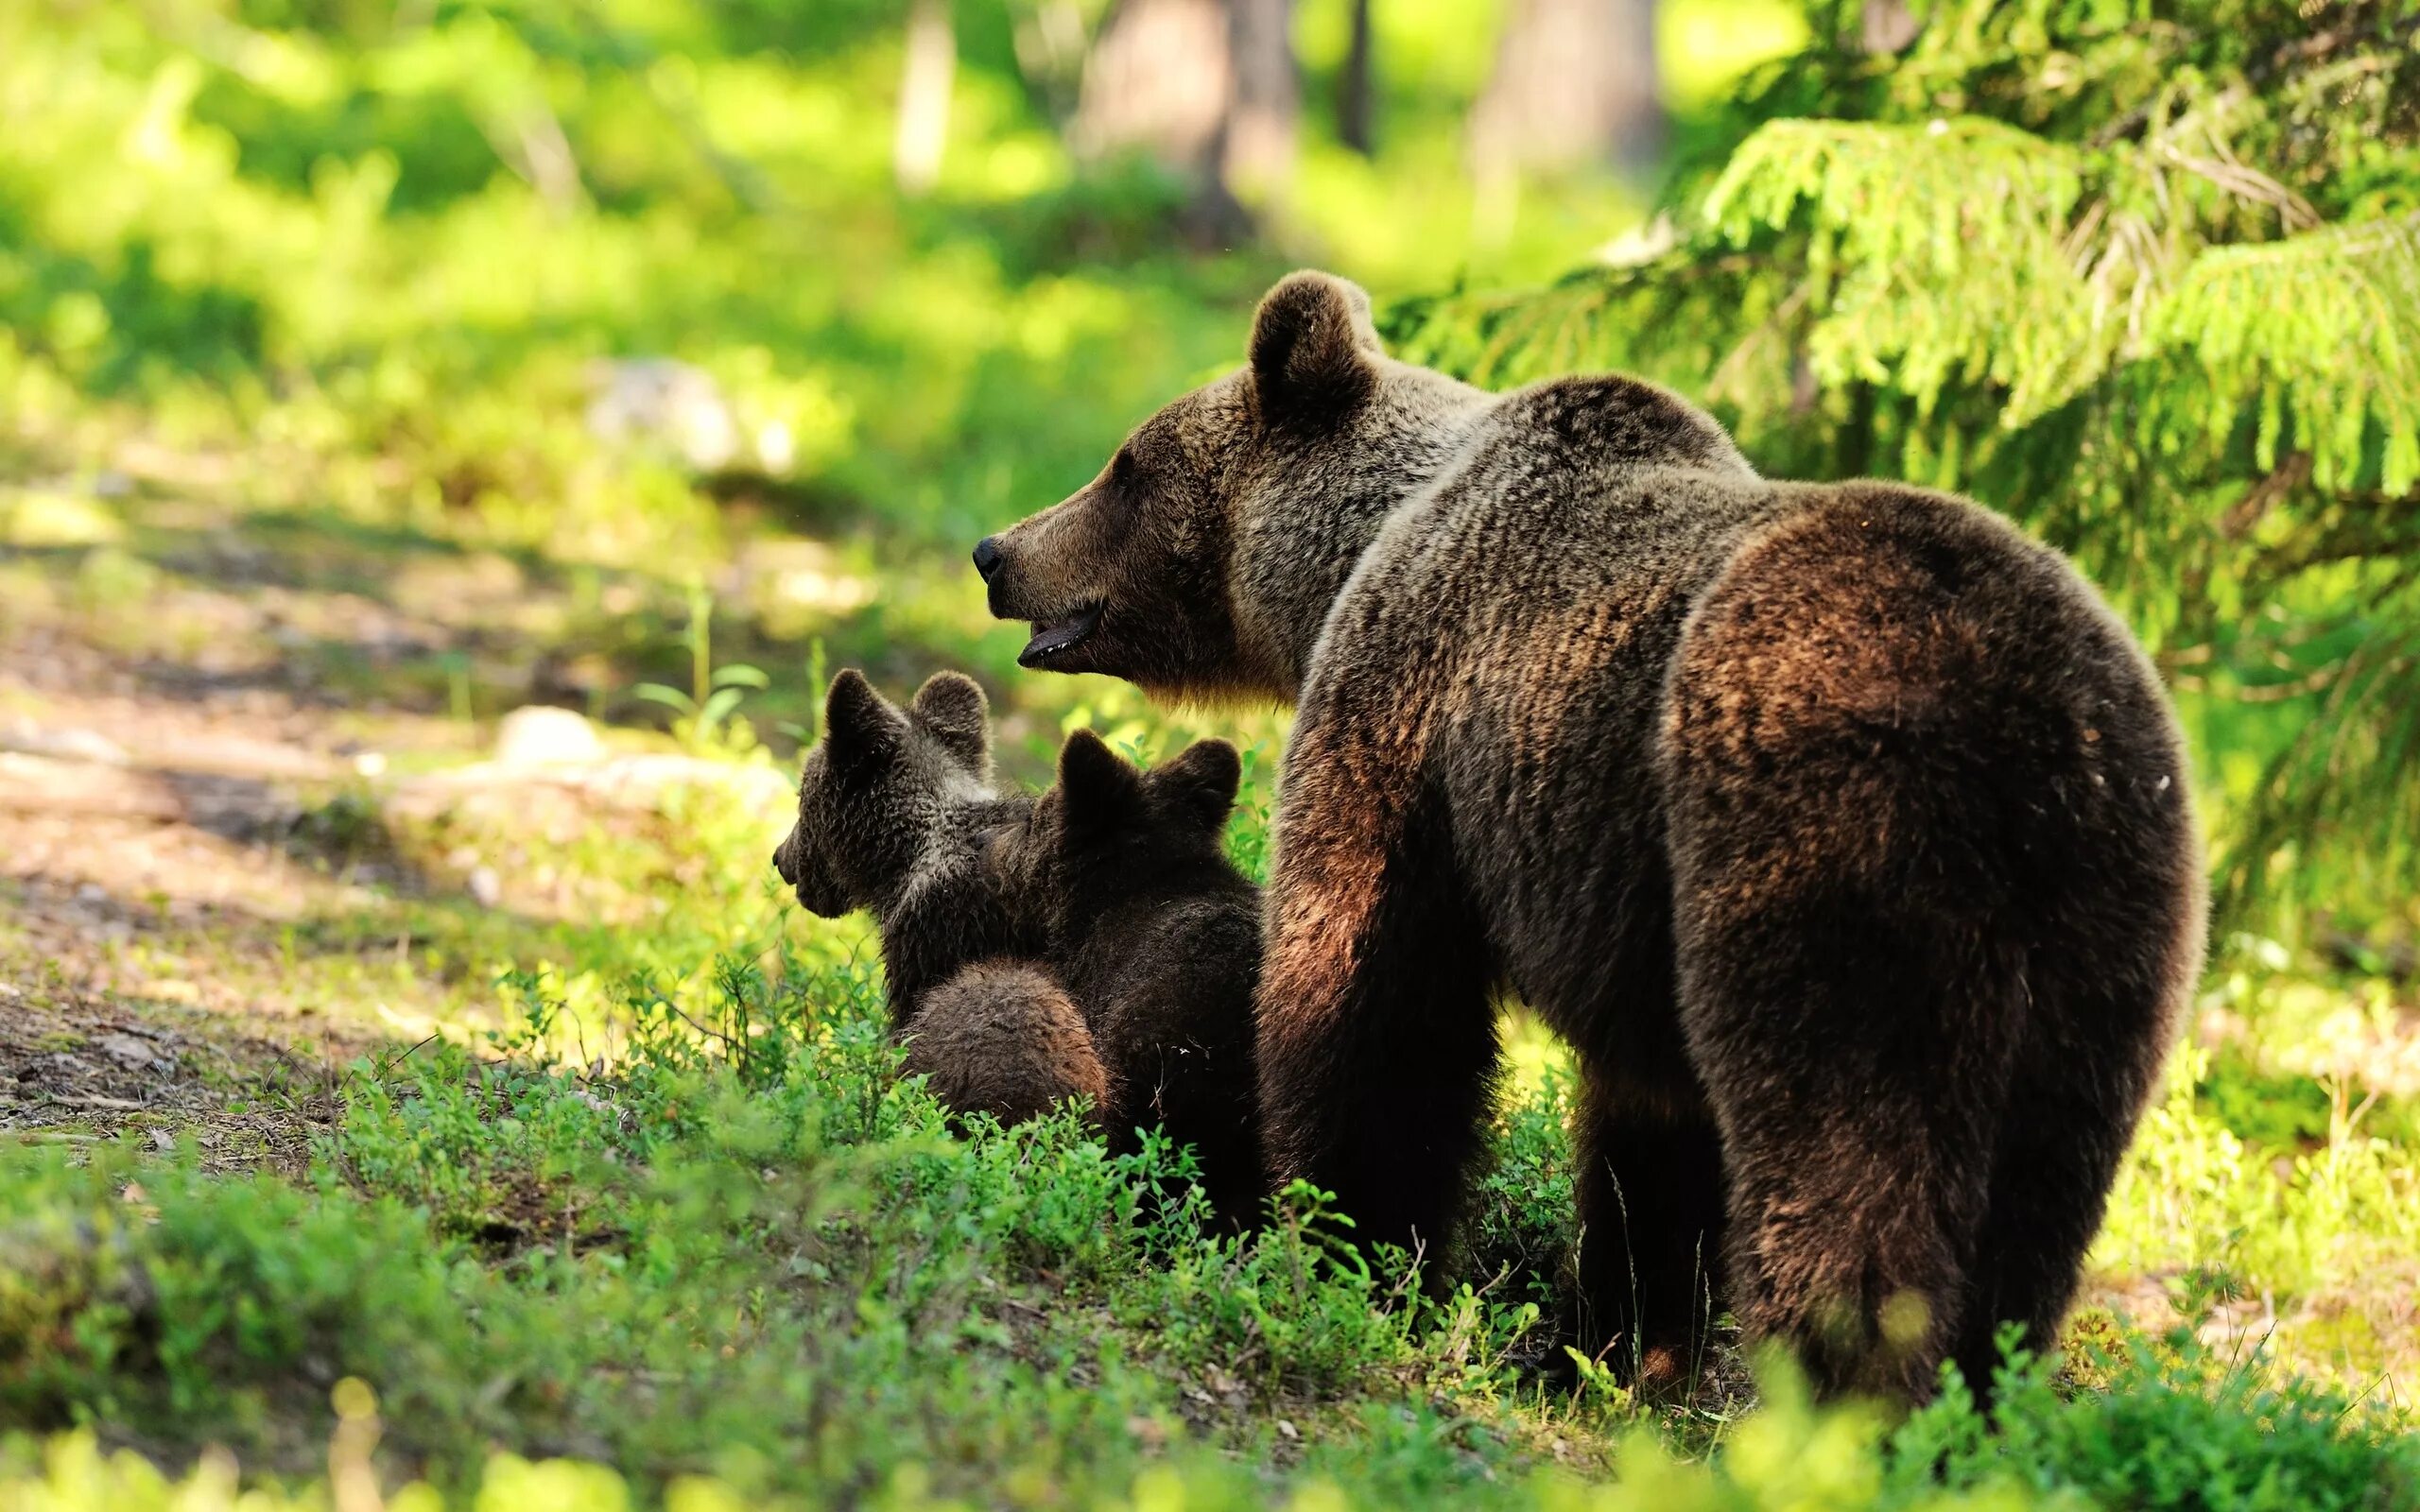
[1157, 935]
[897, 815]
[1094, 942]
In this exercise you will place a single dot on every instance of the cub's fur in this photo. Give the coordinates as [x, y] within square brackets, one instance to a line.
[896, 815]
[1841, 830]
[1094, 942]
[1158, 937]
[1004, 1038]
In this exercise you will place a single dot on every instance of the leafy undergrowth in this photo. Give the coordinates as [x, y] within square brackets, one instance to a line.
[2160, 1446]
[738, 1262]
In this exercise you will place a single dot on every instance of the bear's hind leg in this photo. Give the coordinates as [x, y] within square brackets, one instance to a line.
[2091, 1060]
[1376, 1034]
[1651, 1233]
[1857, 1059]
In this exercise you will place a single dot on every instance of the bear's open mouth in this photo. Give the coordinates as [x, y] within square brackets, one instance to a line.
[1055, 637]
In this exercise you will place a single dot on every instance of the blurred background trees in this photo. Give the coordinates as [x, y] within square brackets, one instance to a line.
[1574, 85]
[2140, 273]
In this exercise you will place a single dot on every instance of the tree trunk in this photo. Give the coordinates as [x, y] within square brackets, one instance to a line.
[1888, 26]
[1575, 82]
[1049, 42]
[1262, 112]
[1357, 92]
[1157, 80]
[923, 127]
[1205, 86]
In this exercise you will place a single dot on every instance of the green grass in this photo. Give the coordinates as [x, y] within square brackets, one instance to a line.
[670, 1213]
[775, 1267]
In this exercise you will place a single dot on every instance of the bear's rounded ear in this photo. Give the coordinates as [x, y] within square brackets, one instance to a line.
[860, 723]
[1313, 346]
[1097, 786]
[952, 708]
[1201, 781]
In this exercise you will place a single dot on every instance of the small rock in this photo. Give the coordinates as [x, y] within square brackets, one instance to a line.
[541, 736]
[486, 887]
[62, 745]
[164, 1141]
[126, 1050]
[665, 405]
[1148, 1433]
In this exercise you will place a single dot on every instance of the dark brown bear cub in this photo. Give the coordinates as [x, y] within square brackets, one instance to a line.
[1157, 935]
[897, 815]
[1094, 943]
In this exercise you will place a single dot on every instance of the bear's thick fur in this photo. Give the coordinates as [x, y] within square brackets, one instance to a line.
[897, 815]
[1157, 935]
[1839, 829]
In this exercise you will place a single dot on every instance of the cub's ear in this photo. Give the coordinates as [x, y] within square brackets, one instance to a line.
[1097, 786]
[858, 723]
[1313, 346]
[953, 708]
[1200, 782]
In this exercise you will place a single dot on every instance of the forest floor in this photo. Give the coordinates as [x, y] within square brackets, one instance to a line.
[200, 770]
[269, 899]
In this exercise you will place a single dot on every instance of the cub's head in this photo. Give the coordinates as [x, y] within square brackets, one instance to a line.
[1201, 560]
[879, 786]
[1107, 829]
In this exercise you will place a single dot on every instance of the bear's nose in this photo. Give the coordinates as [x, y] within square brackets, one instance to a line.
[782, 863]
[987, 558]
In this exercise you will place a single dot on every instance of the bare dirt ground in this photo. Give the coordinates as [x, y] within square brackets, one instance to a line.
[150, 861]
[207, 723]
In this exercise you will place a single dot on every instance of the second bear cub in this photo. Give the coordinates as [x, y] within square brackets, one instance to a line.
[1095, 942]
[897, 815]
[1157, 935]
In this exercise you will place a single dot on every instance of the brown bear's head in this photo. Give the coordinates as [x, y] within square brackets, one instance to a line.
[1109, 831]
[878, 785]
[1202, 557]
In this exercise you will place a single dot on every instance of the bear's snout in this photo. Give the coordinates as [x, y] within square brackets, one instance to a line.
[987, 557]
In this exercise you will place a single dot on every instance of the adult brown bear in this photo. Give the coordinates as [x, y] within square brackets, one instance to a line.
[1841, 830]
